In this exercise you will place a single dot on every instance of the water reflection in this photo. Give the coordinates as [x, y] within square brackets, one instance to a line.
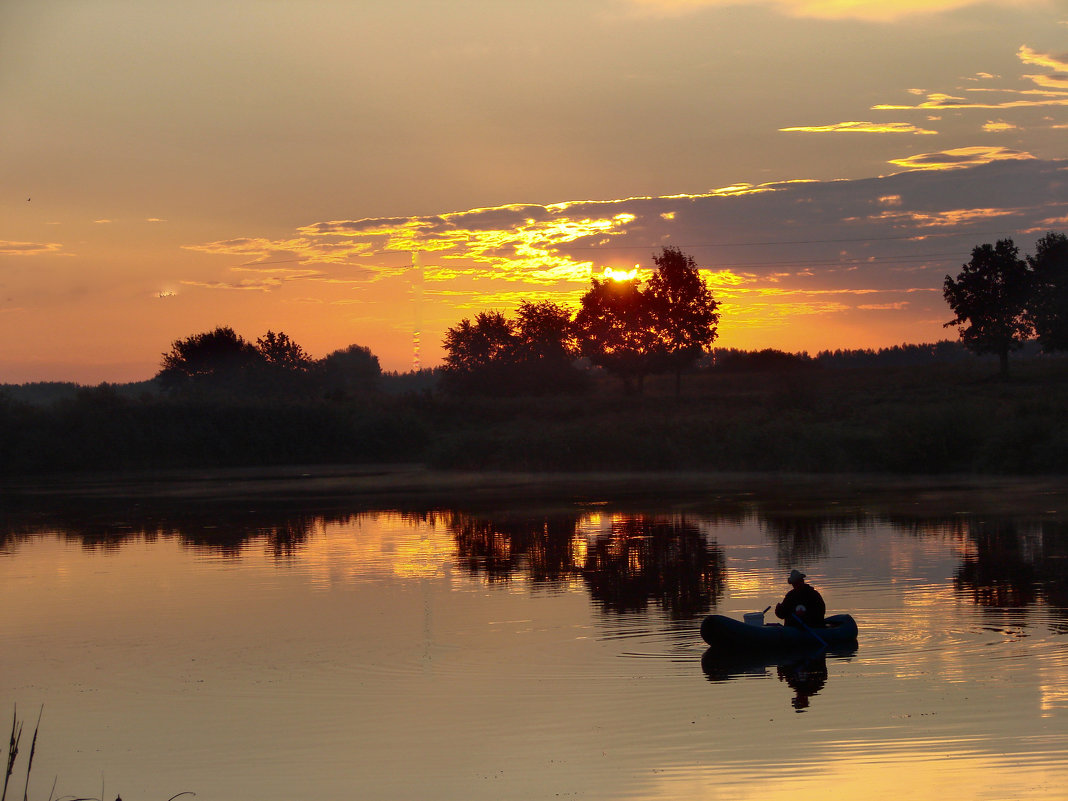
[803, 670]
[626, 564]
[626, 560]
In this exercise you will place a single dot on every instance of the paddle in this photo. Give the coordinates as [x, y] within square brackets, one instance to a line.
[805, 626]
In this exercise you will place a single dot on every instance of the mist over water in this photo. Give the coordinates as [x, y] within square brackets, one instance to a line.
[521, 652]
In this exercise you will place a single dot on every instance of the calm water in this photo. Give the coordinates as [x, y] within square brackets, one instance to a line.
[445, 654]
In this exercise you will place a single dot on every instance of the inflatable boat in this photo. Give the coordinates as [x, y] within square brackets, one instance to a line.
[725, 632]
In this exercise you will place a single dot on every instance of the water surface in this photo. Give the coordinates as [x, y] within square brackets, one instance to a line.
[524, 653]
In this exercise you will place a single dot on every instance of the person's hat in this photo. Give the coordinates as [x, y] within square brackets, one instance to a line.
[795, 575]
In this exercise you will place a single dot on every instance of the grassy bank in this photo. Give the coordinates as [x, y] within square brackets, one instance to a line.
[938, 418]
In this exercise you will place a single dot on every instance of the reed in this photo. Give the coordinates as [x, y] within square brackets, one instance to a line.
[12, 756]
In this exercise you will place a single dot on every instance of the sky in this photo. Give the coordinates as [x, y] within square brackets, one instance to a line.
[370, 173]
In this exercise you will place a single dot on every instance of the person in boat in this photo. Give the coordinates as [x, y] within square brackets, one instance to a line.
[802, 601]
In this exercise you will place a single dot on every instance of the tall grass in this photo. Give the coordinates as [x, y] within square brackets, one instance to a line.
[12, 758]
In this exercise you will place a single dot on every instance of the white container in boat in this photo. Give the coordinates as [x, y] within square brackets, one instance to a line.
[754, 618]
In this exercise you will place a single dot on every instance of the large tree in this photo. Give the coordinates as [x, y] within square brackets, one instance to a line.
[490, 339]
[215, 357]
[683, 311]
[531, 354]
[616, 331]
[1047, 308]
[544, 332]
[349, 371]
[989, 298]
[278, 350]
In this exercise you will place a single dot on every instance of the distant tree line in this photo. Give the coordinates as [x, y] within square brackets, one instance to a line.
[1001, 300]
[629, 330]
[220, 362]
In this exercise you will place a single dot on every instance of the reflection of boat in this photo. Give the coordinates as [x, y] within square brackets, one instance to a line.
[729, 634]
[803, 668]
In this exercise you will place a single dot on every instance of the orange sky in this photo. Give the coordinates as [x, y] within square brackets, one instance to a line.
[357, 173]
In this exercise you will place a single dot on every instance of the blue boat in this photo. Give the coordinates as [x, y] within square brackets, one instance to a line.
[725, 633]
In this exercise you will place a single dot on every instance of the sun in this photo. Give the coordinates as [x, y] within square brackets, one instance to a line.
[621, 275]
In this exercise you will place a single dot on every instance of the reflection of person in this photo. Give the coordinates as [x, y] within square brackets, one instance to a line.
[801, 602]
[806, 677]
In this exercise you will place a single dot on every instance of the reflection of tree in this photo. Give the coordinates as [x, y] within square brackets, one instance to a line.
[640, 560]
[544, 548]
[225, 529]
[645, 559]
[1014, 567]
[797, 539]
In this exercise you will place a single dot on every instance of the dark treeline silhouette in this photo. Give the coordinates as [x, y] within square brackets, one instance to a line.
[1000, 299]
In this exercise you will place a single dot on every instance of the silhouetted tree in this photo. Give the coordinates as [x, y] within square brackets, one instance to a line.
[490, 339]
[1047, 309]
[616, 330]
[279, 350]
[497, 355]
[349, 371]
[543, 331]
[682, 309]
[989, 297]
[216, 356]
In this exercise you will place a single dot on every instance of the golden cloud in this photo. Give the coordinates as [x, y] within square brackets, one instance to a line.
[899, 306]
[862, 127]
[959, 158]
[868, 10]
[10, 248]
[1029, 56]
[941, 219]
[999, 126]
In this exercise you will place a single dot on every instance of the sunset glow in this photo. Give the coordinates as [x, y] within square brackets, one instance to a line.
[164, 179]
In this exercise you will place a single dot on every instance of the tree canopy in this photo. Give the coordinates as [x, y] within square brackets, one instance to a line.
[684, 313]
[495, 354]
[211, 356]
[632, 331]
[989, 298]
[615, 330]
[221, 361]
[1048, 307]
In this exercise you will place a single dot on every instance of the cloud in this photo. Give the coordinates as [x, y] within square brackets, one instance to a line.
[10, 248]
[770, 252]
[1052, 90]
[862, 127]
[959, 158]
[1000, 126]
[898, 306]
[1030, 56]
[943, 219]
[866, 10]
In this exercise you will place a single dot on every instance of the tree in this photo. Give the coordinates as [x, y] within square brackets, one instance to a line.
[214, 357]
[349, 370]
[469, 346]
[615, 330]
[1047, 309]
[988, 298]
[531, 354]
[683, 310]
[543, 332]
[278, 350]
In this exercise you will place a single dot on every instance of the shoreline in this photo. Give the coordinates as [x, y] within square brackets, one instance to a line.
[414, 484]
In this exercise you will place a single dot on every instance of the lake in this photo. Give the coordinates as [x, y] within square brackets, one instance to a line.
[537, 641]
